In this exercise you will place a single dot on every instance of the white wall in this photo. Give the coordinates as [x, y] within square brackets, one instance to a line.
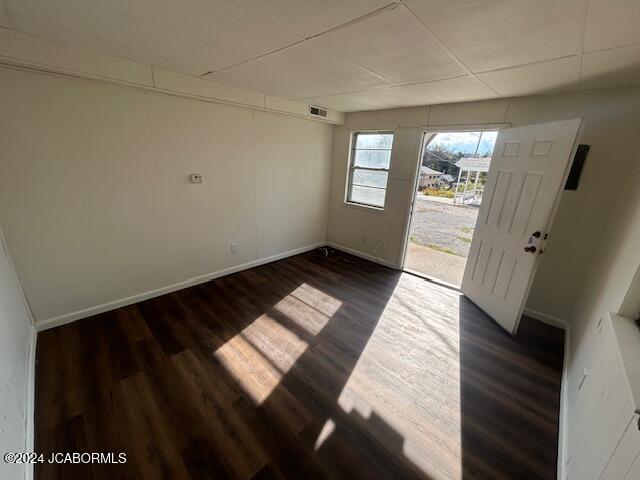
[611, 275]
[95, 199]
[611, 123]
[16, 337]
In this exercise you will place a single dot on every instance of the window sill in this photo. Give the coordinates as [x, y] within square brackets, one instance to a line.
[366, 208]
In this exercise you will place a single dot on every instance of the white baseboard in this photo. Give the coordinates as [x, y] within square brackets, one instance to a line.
[548, 319]
[360, 254]
[105, 307]
[562, 418]
[30, 414]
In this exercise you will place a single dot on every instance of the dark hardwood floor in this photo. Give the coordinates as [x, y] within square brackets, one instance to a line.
[303, 368]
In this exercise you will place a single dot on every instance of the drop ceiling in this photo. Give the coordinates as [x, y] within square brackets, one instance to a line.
[352, 55]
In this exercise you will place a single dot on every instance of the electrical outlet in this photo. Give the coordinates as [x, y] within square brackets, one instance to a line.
[234, 248]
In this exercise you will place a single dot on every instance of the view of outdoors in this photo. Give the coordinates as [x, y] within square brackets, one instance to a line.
[451, 182]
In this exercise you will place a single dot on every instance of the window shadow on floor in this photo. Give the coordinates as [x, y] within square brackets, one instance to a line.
[303, 368]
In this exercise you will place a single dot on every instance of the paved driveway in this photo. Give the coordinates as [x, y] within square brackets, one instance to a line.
[444, 227]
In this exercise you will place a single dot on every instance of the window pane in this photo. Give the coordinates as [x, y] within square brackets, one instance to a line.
[368, 196]
[373, 158]
[374, 140]
[370, 178]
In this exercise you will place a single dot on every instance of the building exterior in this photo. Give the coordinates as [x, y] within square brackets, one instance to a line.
[429, 178]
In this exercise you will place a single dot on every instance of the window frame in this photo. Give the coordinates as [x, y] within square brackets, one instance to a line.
[352, 168]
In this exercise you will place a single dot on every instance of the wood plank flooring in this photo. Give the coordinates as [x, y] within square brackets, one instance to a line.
[300, 369]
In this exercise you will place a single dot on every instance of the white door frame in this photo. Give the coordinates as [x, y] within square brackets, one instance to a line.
[432, 130]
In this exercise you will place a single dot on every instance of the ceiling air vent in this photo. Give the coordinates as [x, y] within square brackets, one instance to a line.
[317, 111]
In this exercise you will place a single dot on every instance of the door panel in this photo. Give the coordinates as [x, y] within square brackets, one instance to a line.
[526, 202]
[498, 198]
[527, 172]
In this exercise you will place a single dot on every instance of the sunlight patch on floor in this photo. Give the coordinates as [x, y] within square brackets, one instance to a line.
[264, 351]
[260, 355]
[407, 380]
[327, 429]
[309, 307]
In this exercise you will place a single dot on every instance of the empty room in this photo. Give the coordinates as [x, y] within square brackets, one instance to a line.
[320, 239]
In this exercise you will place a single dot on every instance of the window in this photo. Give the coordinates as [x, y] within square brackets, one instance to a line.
[369, 168]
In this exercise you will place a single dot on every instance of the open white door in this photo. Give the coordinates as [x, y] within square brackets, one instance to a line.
[527, 174]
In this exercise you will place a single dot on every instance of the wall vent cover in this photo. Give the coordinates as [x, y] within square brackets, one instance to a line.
[317, 111]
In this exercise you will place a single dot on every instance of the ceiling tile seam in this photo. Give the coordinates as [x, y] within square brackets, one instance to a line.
[520, 65]
[360, 19]
[624, 45]
[301, 77]
[310, 39]
[74, 44]
[448, 50]
[179, 34]
[384, 88]
[350, 92]
[584, 25]
[295, 73]
[258, 57]
[389, 6]
[373, 72]
[584, 34]
[411, 84]
[257, 14]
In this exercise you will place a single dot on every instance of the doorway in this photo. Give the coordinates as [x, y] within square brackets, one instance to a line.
[450, 182]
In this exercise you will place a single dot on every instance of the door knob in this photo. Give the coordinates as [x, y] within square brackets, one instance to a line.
[530, 249]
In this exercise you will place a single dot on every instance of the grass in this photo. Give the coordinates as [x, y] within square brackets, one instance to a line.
[464, 239]
[438, 248]
[415, 239]
[466, 229]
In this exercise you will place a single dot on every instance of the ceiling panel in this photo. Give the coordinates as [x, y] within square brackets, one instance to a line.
[183, 33]
[354, 102]
[459, 89]
[550, 76]
[311, 17]
[260, 77]
[492, 34]
[611, 23]
[324, 68]
[217, 23]
[516, 47]
[616, 67]
[393, 44]
[189, 64]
